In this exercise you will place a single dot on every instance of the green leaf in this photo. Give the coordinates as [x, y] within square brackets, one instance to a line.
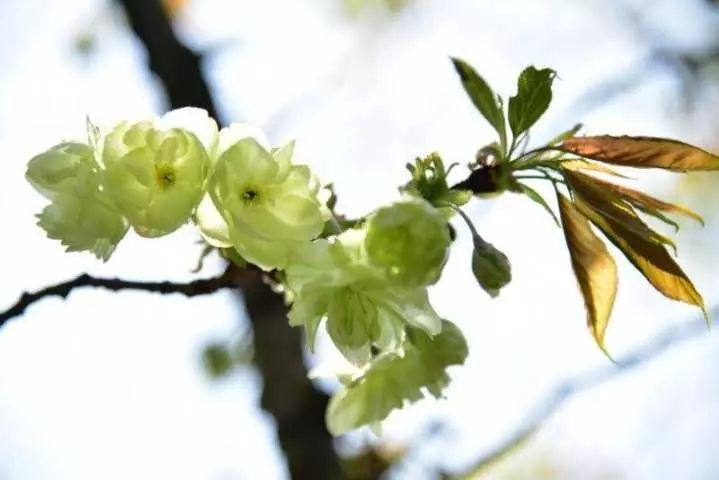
[534, 93]
[482, 96]
[565, 135]
[394, 380]
[536, 197]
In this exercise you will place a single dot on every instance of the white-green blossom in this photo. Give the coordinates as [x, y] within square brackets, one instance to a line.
[64, 168]
[409, 240]
[259, 202]
[361, 304]
[155, 172]
[81, 215]
[392, 380]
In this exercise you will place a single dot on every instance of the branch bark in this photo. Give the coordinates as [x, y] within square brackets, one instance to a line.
[196, 287]
[297, 407]
[176, 66]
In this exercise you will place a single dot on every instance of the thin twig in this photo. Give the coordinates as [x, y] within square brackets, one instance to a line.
[552, 402]
[202, 286]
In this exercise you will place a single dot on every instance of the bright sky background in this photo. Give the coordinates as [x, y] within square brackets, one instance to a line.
[110, 385]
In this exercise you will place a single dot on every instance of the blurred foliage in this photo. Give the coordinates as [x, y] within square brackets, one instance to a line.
[355, 7]
[371, 462]
[221, 358]
[535, 462]
[174, 7]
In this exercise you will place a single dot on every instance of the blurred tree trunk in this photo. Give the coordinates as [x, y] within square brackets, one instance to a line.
[297, 407]
[176, 66]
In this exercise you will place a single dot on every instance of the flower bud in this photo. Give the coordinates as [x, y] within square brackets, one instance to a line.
[491, 267]
[409, 240]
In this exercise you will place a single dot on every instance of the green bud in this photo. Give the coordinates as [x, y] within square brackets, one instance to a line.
[409, 240]
[491, 267]
[155, 177]
[429, 181]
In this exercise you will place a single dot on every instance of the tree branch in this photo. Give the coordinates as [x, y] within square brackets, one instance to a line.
[552, 402]
[202, 286]
[177, 67]
[297, 406]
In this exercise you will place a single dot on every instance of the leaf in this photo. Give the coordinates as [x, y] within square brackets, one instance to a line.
[581, 164]
[566, 134]
[646, 203]
[659, 216]
[536, 197]
[593, 266]
[642, 152]
[650, 258]
[612, 205]
[534, 94]
[394, 380]
[482, 96]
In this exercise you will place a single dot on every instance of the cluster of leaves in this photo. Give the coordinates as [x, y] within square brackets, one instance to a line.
[581, 166]
[365, 280]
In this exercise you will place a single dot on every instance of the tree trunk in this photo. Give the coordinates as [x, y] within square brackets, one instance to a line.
[297, 407]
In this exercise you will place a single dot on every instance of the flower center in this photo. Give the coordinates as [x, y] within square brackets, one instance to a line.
[164, 176]
[249, 195]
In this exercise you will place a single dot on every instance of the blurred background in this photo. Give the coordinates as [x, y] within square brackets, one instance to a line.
[114, 385]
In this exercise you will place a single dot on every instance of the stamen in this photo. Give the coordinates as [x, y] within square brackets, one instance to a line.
[164, 176]
[249, 194]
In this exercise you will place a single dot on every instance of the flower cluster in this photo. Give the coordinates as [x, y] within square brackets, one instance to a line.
[366, 279]
[158, 175]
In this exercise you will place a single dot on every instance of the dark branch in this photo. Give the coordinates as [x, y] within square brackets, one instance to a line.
[297, 406]
[177, 67]
[196, 287]
[546, 408]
